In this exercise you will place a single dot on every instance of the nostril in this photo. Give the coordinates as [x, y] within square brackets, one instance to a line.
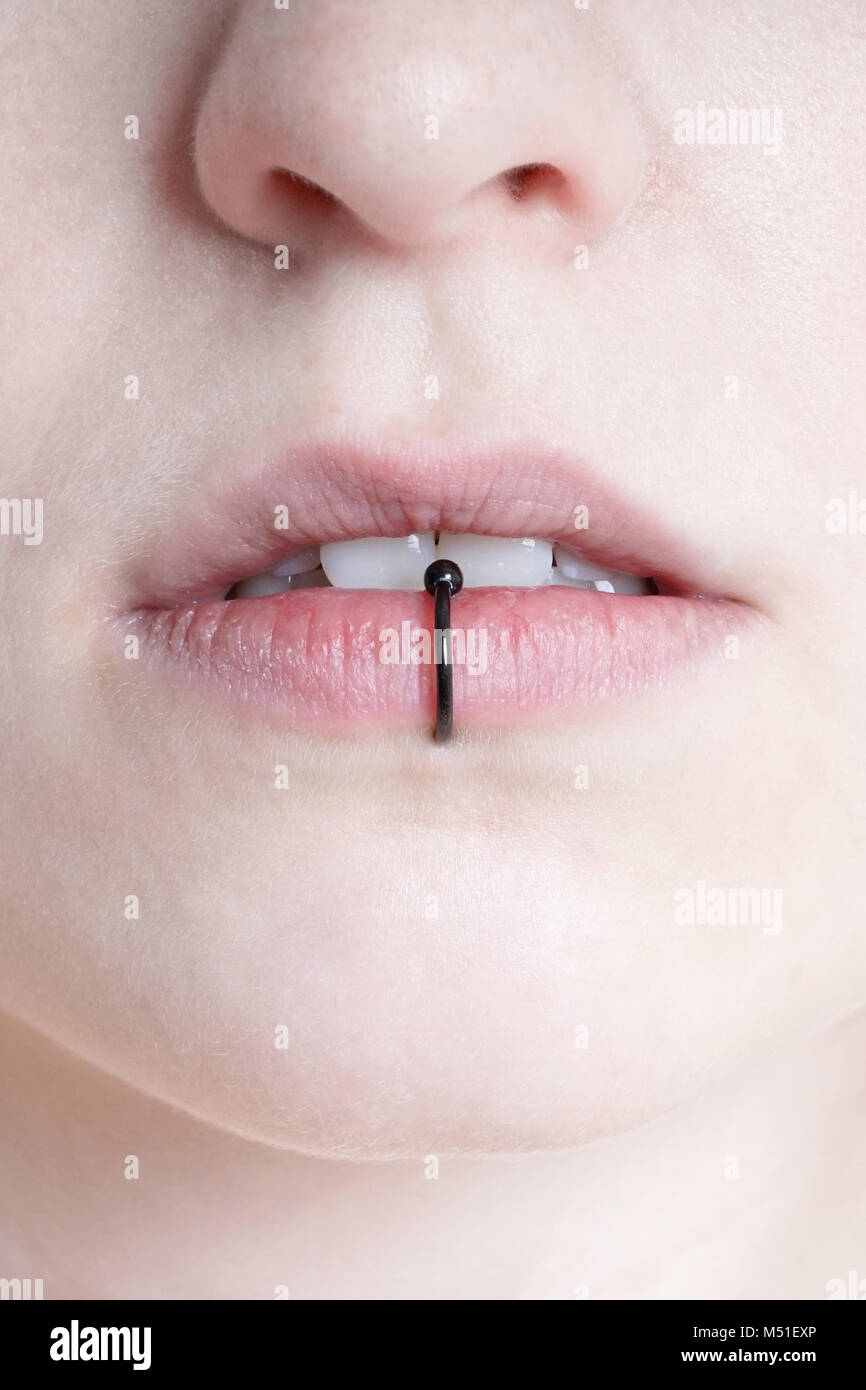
[304, 193]
[533, 181]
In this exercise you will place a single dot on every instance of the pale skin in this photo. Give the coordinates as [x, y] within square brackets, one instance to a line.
[509, 1070]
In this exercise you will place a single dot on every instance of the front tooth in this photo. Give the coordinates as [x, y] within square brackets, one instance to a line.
[374, 563]
[524, 563]
[571, 567]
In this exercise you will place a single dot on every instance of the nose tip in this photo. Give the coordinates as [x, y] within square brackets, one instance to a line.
[340, 122]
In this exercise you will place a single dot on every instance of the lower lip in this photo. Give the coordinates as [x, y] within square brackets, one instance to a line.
[331, 658]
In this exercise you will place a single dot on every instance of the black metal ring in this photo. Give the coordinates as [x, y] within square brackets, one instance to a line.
[443, 579]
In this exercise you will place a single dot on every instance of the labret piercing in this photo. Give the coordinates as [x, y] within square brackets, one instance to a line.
[443, 579]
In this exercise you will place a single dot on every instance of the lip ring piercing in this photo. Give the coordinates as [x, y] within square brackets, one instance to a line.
[443, 579]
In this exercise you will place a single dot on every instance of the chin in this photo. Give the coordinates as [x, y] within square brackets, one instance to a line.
[373, 1043]
[390, 990]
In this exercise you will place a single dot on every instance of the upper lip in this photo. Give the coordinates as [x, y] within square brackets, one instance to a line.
[339, 490]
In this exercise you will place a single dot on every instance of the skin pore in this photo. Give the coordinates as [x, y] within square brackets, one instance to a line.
[409, 956]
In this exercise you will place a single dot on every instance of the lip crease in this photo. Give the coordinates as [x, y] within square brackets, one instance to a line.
[316, 656]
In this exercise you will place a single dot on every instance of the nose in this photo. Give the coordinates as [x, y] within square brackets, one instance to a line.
[414, 124]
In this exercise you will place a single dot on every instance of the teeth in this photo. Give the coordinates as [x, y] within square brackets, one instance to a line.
[572, 569]
[311, 579]
[297, 571]
[261, 585]
[524, 563]
[381, 563]
[374, 563]
[300, 562]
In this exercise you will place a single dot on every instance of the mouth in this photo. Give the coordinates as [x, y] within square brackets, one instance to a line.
[299, 590]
